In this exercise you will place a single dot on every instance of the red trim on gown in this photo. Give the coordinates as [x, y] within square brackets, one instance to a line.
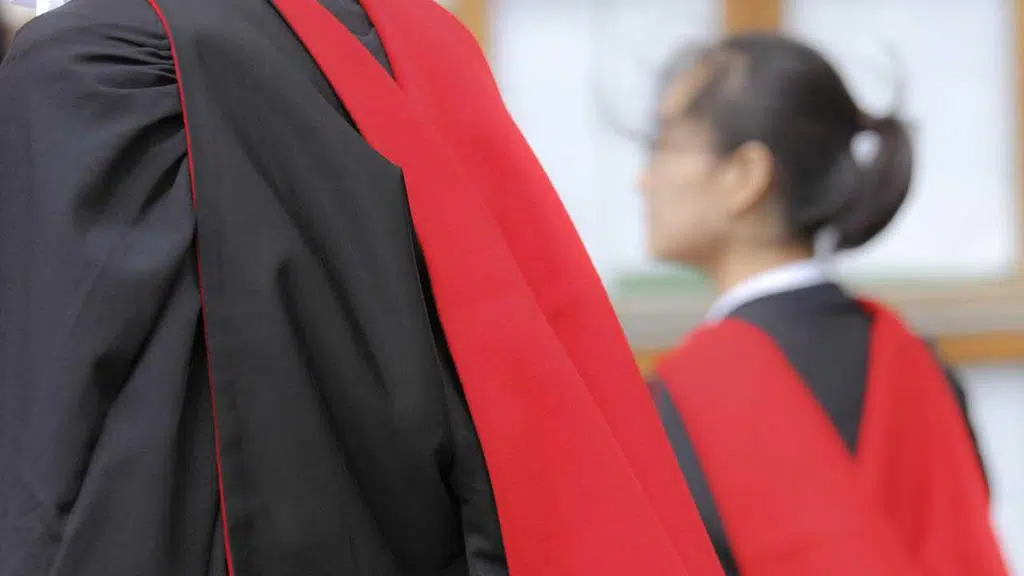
[792, 498]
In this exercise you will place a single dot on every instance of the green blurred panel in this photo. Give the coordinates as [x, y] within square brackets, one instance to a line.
[689, 282]
[685, 281]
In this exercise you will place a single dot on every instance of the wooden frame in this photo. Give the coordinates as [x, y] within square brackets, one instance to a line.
[475, 15]
[956, 349]
[971, 323]
[751, 15]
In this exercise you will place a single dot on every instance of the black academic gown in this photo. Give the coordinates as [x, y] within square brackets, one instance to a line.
[353, 449]
[825, 336]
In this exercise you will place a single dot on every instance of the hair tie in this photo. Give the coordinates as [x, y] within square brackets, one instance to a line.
[865, 145]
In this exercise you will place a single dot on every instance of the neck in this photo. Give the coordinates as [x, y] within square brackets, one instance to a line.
[737, 267]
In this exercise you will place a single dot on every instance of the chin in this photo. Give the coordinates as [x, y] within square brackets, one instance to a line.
[654, 250]
[663, 252]
[673, 254]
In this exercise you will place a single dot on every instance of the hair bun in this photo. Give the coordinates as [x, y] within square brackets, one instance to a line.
[882, 184]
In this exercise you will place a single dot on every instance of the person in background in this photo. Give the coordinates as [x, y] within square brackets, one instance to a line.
[818, 435]
[285, 293]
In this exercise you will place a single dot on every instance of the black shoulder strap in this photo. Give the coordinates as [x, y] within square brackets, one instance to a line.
[679, 439]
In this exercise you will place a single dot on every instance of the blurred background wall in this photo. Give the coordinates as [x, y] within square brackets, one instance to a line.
[952, 262]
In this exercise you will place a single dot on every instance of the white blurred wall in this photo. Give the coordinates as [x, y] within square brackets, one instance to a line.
[996, 395]
[546, 53]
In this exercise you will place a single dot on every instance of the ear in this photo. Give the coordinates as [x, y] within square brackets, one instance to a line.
[749, 174]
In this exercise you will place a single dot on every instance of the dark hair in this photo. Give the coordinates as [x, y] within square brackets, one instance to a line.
[771, 89]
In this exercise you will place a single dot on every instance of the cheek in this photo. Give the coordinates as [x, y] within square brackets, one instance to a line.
[670, 191]
[683, 215]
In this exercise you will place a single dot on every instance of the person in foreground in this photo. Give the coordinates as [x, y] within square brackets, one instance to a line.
[817, 434]
[286, 293]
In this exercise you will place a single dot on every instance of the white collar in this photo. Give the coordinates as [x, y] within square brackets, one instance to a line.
[785, 278]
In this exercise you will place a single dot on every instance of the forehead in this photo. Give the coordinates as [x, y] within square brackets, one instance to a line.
[681, 91]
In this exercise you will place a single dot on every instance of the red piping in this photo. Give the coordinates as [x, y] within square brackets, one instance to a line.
[202, 293]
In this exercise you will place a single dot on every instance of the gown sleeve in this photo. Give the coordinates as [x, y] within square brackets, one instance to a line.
[686, 456]
[106, 445]
[961, 400]
[960, 395]
[485, 552]
[468, 476]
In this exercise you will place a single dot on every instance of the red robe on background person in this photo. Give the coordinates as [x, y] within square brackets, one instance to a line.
[820, 436]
